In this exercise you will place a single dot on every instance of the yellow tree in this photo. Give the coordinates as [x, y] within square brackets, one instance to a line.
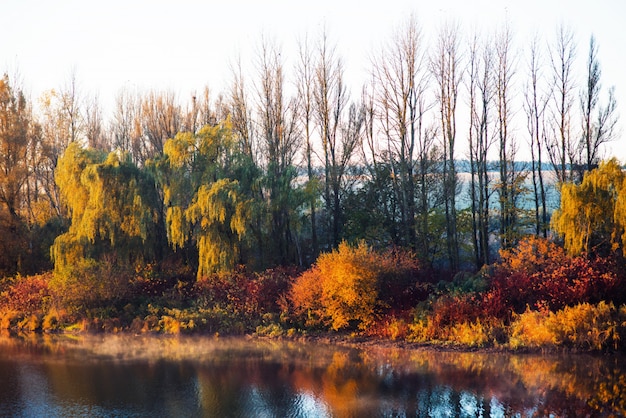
[205, 195]
[113, 206]
[592, 215]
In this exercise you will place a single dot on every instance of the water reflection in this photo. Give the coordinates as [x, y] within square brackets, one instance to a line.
[48, 375]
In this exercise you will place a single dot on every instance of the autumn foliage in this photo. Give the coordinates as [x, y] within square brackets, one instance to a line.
[348, 287]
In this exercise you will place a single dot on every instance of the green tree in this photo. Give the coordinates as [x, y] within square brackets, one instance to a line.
[592, 215]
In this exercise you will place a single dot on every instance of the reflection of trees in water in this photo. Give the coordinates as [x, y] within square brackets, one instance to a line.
[225, 378]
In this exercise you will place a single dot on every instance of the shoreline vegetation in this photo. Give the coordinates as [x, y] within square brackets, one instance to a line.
[257, 212]
[537, 298]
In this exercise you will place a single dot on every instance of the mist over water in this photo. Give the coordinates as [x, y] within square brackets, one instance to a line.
[116, 375]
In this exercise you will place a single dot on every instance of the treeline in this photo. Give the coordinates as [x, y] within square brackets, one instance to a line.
[287, 164]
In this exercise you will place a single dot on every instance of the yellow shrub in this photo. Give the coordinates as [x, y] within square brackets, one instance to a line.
[305, 296]
[470, 334]
[349, 292]
[583, 326]
[531, 329]
[340, 290]
[419, 331]
[586, 326]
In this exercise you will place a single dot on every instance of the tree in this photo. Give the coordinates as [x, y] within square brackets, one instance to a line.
[204, 196]
[401, 83]
[280, 136]
[15, 132]
[113, 207]
[536, 103]
[592, 216]
[510, 186]
[160, 119]
[340, 137]
[124, 128]
[18, 189]
[94, 129]
[305, 79]
[445, 66]
[560, 147]
[481, 94]
[595, 133]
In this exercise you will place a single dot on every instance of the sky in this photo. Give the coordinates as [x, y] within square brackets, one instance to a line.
[185, 45]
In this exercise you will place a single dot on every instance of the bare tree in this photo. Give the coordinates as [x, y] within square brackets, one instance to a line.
[93, 122]
[481, 95]
[510, 186]
[445, 66]
[125, 128]
[537, 97]
[160, 119]
[305, 80]
[401, 82]
[278, 128]
[240, 112]
[560, 147]
[70, 108]
[338, 136]
[597, 129]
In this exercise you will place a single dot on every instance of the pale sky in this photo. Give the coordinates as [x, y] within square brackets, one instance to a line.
[184, 45]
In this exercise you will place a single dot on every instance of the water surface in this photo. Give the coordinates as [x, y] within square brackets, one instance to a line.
[113, 375]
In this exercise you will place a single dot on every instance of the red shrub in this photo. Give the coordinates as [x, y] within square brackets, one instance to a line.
[448, 310]
[540, 275]
[400, 279]
[250, 294]
[26, 294]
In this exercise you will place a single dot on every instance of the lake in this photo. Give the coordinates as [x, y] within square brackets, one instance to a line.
[161, 376]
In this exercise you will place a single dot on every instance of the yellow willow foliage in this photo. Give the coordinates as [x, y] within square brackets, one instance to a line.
[222, 215]
[593, 212]
[109, 200]
[349, 291]
[68, 176]
[204, 203]
[177, 226]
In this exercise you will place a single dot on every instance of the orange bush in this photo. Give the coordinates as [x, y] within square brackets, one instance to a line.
[341, 290]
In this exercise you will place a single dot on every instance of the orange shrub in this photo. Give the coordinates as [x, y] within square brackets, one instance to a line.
[349, 291]
[341, 289]
[305, 297]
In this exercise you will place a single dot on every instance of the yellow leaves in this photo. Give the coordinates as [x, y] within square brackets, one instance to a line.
[109, 199]
[205, 203]
[341, 287]
[222, 215]
[593, 213]
[180, 149]
[582, 326]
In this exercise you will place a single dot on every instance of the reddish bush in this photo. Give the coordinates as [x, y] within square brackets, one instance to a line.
[449, 310]
[249, 294]
[540, 275]
[400, 279]
[26, 294]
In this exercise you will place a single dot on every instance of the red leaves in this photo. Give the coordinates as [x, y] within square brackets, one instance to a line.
[538, 274]
[26, 294]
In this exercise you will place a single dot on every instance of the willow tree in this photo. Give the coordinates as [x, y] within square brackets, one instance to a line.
[592, 215]
[207, 208]
[114, 222]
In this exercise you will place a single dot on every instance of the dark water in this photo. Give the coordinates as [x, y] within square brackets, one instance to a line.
[97, 376]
